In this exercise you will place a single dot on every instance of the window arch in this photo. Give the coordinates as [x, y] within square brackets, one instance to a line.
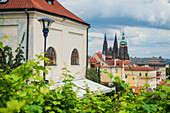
[74, 57]
[52, 56]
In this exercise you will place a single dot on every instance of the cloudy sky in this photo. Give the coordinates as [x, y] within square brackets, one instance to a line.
[146, 24]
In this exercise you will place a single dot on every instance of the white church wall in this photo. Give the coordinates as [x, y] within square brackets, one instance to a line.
[63, 36]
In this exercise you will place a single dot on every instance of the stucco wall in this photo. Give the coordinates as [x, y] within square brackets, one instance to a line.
[64, 36]
[151, 78]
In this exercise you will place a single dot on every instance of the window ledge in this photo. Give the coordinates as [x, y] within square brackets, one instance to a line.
[75, 64]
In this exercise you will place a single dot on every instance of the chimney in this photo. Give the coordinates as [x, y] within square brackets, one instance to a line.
[103, 57]
[115, 60]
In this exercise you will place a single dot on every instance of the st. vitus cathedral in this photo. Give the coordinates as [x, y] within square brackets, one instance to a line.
[115, 53]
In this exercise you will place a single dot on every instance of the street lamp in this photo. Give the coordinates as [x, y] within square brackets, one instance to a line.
[45, 24]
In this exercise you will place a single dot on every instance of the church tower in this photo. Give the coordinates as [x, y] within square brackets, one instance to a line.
[105, 46]
[123, 50]
[115, 49]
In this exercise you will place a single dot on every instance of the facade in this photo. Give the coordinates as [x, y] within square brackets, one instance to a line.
[158, 64]
[138, 76]
[108, 64]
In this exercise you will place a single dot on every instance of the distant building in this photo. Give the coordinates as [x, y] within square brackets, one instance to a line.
[115, 49]
[138, 76]
[105, 46]
[113, 66]
[133, 74]
[114, 52]
[158, 64]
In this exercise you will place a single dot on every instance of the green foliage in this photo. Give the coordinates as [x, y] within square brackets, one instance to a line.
[168, 72]
[7, 60]
[17, 95]
[92, 74]
[167, 61]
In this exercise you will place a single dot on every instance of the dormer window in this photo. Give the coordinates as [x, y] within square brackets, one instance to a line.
[50, 1]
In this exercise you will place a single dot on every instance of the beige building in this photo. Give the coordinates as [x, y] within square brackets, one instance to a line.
[109, 65]
[158, 64]
[138, 76]
[134, 75]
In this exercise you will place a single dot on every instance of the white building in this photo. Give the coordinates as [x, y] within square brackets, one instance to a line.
[67, 38]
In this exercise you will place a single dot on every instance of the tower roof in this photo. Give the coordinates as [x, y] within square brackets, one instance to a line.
[123, 41]
[105, 37]
[42, 6]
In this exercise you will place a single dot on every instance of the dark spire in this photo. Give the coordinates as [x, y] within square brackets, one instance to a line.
[105, 46]
[115, 49]
[105, 37]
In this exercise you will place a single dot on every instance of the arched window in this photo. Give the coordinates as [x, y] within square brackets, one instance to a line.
[52, 56]
[74, 57]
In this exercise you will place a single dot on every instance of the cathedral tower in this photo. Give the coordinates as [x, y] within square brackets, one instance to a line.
[105, 46]
[123, 50]
[115, 49]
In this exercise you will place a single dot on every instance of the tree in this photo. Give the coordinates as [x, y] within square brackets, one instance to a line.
[8, 61]
[168, 72]
[92, 74]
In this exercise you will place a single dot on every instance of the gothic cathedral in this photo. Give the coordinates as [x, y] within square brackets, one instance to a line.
[121, 54]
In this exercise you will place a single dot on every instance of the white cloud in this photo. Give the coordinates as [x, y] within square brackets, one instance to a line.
[154, 11]
[142, 42]
[94, 34]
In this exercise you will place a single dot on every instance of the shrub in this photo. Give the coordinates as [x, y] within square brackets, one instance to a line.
[16, 95]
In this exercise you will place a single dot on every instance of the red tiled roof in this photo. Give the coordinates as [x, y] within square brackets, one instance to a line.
[127, 62]
[92, 60]
[111, 61]
[136, 89]
[56, 8]
[99, 55]
[140, 68]
[119, 63]
[162, 82]
[97, 65]
[111, 65]
[108, 58]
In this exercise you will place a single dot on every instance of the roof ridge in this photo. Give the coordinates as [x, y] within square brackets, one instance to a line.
[31, 3]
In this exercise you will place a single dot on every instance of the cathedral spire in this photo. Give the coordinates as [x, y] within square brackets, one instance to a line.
[123, 36]
[123, 50]
[105, 37]
[105, 46]
[115, 48]
[123, 41]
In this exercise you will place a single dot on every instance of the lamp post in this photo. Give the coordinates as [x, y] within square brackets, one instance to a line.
[45, 24]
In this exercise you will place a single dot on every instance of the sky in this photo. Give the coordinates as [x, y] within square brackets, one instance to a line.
[146, 24]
